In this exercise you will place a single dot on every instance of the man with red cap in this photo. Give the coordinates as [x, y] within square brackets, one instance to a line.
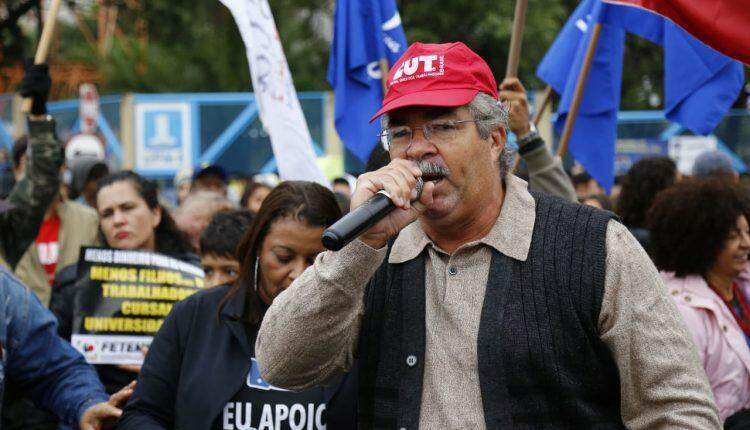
[479, 304]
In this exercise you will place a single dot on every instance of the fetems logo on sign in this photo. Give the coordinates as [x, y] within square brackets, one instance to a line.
[419, 67]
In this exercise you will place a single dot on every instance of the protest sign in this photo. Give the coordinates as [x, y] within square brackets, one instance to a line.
[124, 301]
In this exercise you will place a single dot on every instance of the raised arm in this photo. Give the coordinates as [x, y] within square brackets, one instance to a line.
[33, 194]
[546, 173]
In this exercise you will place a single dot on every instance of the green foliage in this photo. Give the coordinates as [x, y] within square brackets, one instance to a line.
[194, 45]
[485, 26]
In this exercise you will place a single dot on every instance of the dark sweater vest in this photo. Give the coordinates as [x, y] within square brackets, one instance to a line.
[540, 360]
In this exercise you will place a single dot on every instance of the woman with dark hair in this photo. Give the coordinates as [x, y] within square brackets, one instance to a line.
[640, 186]
[130, 217]
[145, 224]
[700, 241]
[201, 372]
[253, 196]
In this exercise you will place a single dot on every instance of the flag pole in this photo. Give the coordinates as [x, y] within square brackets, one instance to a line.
[546, 100]
[44, 43]
[384, 74]
[514, 52]
[516, 38]
[578, 94]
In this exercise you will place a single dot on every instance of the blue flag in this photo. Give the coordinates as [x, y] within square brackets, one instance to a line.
[592, 142]
[700, 83]
[365, 31]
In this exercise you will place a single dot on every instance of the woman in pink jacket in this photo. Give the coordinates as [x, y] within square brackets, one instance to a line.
[700, 242]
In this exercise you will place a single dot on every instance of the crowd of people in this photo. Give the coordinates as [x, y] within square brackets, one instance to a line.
[490, 300]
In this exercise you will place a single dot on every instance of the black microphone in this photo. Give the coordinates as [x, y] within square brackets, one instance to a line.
[351, 225]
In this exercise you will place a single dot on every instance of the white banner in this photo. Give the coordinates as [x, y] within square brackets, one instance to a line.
[685, 149]
[280, 110]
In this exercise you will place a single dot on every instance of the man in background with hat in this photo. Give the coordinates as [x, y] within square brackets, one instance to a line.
[210, 178]
[479, 304]
[86, 162]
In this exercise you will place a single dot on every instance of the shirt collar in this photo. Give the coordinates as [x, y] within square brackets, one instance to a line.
[511, 234]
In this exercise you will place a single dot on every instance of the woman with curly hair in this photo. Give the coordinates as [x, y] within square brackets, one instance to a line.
[640, 185]
[700, 241]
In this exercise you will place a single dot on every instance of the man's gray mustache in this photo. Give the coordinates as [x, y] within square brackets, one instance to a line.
[432, 169]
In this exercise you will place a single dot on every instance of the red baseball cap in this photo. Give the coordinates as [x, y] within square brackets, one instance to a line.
[428, 74]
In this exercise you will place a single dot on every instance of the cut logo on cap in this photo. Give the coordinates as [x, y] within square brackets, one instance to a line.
[419, 67]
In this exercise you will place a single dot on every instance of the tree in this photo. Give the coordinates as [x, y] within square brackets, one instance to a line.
[194, 45]
[485, 26]
[12, 39]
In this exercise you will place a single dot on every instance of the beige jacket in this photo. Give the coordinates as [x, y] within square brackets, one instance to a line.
[79, 226]
[310, 333]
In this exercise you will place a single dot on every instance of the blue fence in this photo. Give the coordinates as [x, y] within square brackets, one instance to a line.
[650, 132]
[224, 128]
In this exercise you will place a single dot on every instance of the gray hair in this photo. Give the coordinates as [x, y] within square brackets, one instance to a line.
[713, 163]
[490, 115]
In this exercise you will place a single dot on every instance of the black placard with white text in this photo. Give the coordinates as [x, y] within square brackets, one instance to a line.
[124, 301]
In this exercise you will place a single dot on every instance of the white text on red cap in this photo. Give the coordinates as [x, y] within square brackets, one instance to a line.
[419, 67]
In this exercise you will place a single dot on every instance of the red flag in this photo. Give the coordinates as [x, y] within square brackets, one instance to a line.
[720, 24]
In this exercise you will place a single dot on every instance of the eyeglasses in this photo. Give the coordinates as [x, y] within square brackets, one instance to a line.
[399, 137]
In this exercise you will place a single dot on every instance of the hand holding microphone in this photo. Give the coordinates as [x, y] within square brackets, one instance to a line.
[398, 205]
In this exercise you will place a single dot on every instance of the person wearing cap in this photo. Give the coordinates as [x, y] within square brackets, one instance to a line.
[210, 178]
[182, 182]
[31, 196]
[86, 172]
[480, 304]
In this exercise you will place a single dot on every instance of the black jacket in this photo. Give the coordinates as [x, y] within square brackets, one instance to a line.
[199, 360]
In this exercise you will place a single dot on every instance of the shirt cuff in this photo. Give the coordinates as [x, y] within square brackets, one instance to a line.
[529, 143]
[355, 263]
[538, 158]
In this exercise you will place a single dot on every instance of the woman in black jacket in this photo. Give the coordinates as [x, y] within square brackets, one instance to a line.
[130, 217]
[200, 372]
